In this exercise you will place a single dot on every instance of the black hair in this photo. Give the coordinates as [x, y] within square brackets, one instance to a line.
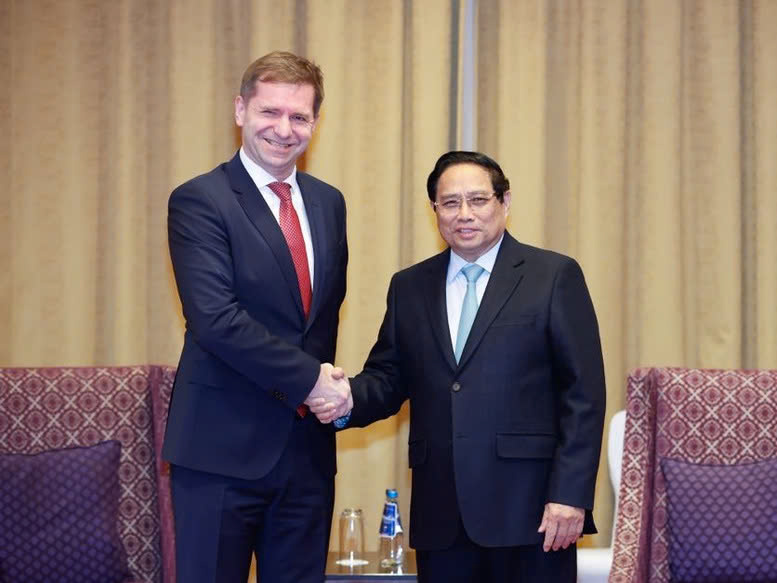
[499, 181]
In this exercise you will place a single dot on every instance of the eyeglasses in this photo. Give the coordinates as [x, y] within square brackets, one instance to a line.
[475, 201]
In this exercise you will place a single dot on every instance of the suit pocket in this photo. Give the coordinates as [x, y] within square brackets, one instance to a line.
[416, 453]
[219, 377]
[525, 446]
[516, 320]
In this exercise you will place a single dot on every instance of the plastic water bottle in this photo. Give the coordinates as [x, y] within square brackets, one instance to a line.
[392, 535]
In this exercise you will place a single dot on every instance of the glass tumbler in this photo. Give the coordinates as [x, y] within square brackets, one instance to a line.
[351, 538]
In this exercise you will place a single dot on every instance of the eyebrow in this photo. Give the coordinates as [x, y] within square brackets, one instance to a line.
[264, 106]
[468, 193]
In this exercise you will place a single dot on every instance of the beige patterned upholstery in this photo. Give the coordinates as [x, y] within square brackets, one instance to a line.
[696, 415]
[52, 408]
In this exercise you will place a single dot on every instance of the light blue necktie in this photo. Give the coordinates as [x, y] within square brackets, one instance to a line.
[469, 307]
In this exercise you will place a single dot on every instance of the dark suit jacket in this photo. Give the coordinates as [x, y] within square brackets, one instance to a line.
[517, 423]
[249, 357]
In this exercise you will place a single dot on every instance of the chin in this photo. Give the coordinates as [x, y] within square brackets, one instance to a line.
[469, 246]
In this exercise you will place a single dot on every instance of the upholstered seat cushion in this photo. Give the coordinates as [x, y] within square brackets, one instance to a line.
[722, 521]
[53, 408]
[58, 514]
[705, 417]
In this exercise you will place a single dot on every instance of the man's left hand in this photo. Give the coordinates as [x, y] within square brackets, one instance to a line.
[562, 525]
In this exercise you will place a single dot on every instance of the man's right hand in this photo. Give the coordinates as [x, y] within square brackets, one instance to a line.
[331, 395]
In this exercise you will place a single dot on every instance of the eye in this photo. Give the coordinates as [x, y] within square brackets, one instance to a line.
[299, 118]
[478, 201]
[451, 204]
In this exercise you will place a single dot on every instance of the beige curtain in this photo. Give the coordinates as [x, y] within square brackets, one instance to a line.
[641, 137]
[638, 136]
[107, 106]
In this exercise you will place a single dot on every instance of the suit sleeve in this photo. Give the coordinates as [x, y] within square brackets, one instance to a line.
[379, 391]
[204, 273]
[579, 377]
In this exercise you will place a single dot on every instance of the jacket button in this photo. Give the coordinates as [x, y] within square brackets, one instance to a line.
[456, 387]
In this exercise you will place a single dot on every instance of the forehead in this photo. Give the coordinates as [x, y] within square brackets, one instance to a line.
[461, 178]
[290, 96]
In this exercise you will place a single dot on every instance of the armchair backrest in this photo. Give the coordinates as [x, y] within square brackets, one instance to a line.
[52, 408]
[695, 415]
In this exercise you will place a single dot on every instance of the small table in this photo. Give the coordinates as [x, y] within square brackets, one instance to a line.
[372, 571]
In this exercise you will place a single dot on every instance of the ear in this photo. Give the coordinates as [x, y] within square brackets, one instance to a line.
[240, 110]
[506, 200]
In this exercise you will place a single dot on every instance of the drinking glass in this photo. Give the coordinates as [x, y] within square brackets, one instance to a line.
[351, 538]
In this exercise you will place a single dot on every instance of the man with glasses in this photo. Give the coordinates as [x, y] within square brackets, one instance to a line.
[496, 345]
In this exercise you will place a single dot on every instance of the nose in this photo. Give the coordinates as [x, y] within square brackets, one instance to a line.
[283, 126]
[465, 211]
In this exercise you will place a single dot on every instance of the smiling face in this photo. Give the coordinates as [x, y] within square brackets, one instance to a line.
[470, 233]
[277, 123]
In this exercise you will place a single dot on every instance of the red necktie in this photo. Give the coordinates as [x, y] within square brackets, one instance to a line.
[292, 232]
[289, 222]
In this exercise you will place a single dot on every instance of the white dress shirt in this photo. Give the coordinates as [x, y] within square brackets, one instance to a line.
[456, 284]
[262, 178]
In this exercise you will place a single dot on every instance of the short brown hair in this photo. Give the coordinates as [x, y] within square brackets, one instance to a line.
[283, 67]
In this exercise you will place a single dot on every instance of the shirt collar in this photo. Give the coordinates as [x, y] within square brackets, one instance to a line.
[260, 176]
[486, 261]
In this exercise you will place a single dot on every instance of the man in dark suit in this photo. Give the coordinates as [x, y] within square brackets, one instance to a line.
[259, 253]
[496, 345]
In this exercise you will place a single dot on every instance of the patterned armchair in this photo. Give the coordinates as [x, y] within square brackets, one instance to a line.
[44, 409]
[702, 418]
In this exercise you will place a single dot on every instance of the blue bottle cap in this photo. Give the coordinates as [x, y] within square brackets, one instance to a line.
[391, 493]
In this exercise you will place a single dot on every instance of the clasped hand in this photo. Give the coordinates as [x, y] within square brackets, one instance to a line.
[330, 398]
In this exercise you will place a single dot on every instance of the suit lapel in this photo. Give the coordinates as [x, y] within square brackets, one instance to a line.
[504, 279]
[261, 216]
[436, 304]
[317, 233]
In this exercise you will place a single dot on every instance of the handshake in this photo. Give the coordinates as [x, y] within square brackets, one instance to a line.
[330, 398]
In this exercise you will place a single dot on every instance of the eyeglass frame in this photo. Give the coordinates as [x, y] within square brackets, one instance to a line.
[438, 206]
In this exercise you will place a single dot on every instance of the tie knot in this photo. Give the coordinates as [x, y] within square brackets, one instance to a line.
[281, 189]
[472, 272]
